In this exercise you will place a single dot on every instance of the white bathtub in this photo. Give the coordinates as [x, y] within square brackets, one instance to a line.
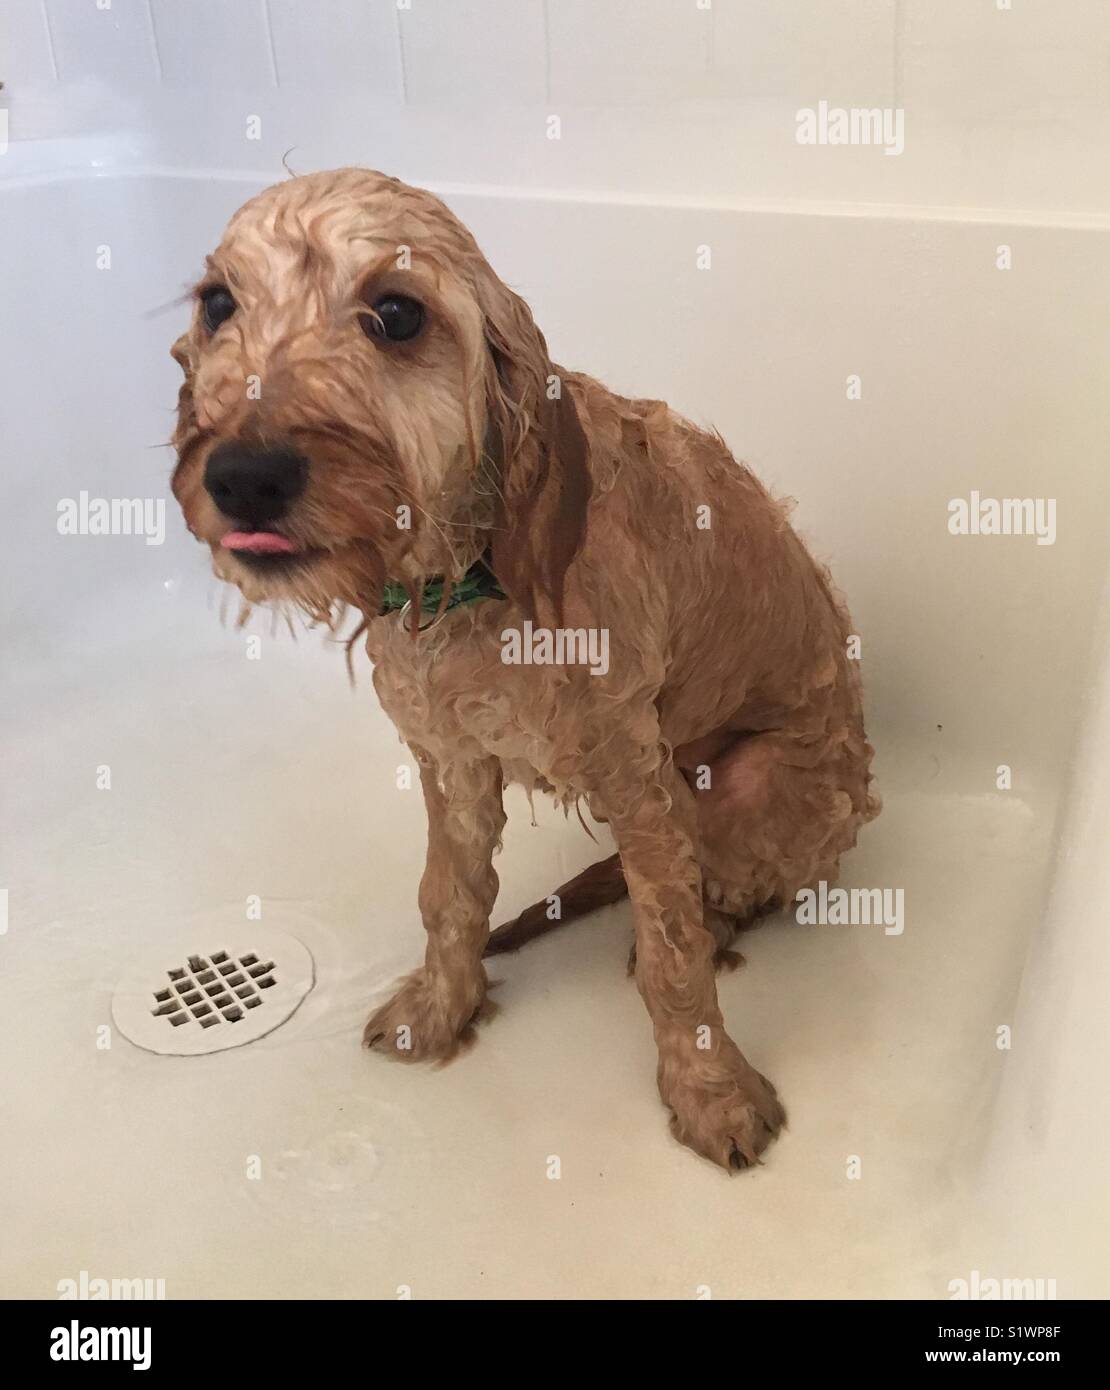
[232, 776]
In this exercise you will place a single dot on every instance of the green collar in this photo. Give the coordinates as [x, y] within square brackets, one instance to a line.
[478, 582]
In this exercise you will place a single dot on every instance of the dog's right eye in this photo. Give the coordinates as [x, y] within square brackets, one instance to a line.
[217, 306]
[396, 317]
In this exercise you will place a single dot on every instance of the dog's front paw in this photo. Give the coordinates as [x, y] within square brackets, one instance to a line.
[729, 1118]
[429, 1019]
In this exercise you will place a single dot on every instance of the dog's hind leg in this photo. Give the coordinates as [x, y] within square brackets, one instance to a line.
[723, 927]
[777, 816]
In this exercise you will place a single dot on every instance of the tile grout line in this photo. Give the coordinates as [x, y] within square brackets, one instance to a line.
[267, 24]
[154, 49]
[45, 11]
[402, 75]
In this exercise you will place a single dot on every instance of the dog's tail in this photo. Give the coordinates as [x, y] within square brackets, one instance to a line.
[597, 886]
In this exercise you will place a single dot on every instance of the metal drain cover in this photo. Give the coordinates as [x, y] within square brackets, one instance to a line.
[217, 990]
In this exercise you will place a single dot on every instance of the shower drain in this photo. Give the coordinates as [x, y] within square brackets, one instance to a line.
[184, 1001]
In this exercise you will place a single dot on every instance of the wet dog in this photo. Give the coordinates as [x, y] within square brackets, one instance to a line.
[370, 419]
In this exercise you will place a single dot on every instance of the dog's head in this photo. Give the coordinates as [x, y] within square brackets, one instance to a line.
[364, 399]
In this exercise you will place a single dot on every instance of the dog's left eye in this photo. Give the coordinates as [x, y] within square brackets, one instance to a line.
[217, 306]
[396, 317]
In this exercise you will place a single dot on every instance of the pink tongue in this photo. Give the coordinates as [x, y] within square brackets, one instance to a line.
[259, 543]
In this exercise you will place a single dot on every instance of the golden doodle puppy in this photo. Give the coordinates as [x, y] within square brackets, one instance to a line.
[558, 586]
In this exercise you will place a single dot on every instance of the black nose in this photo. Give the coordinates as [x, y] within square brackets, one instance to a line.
[253, 484]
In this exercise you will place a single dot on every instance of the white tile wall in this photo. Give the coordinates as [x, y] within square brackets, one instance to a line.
[969, 62]
[337, 43]
[25, 43]
[473, 52]
[627, 50]
[214, 43]
[1003, 107]
[1000, 84]
[1027, 23]
[114, 44]
[805, 51]
[950, 59]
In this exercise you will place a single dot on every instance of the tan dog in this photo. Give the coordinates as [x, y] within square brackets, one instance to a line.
[368, 409]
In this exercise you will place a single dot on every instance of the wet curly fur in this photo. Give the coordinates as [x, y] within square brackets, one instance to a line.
[724, 746]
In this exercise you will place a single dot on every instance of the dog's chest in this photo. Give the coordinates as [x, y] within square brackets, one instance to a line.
[450, 691]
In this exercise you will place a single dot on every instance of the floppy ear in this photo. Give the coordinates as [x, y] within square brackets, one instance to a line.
[541, 452]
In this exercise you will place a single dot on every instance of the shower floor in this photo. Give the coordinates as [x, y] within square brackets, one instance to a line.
[302, 1165]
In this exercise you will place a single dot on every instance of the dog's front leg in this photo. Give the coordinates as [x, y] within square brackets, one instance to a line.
[720, 1105]
[432, 1010]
